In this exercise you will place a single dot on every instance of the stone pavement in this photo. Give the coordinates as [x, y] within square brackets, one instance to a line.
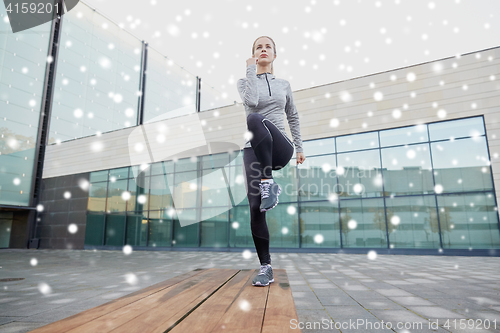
[347, 291]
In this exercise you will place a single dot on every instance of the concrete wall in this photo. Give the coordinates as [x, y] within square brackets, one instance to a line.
[59, 212]
[438, 85]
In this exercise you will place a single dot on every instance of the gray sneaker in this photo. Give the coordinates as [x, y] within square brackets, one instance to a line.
[269, 195]
[264, 277]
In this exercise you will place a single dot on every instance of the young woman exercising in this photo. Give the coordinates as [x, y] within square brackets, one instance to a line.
[266, 99]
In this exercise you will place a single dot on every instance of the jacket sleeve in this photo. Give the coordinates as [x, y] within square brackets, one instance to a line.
[247, 87]
[293, 120]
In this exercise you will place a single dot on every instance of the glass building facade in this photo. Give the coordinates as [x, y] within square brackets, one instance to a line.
[426, 186]
[23, 58]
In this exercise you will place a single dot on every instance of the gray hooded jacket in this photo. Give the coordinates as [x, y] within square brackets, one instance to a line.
[271, 97]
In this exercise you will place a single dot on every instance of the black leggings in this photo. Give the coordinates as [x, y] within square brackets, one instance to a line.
[271, 150]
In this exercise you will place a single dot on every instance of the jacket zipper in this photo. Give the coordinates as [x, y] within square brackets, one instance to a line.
[268, 85]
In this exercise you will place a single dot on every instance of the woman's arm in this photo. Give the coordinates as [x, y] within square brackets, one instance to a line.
[248, 87]
[293, 120]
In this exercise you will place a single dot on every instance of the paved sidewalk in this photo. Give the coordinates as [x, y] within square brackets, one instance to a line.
[347, 291]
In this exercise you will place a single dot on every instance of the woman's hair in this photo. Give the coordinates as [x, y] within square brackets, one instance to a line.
[274, 46]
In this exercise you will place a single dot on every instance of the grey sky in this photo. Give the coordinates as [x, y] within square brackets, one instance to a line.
[318, 42]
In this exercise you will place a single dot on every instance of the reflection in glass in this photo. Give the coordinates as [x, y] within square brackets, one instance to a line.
[407, 170]
[412, 222]
[468, 221]
[357, 141]
[116, 174]
[404, 135]
[214, 188]
[116, 202]
[462, 165]
[159, 168]
[317, 178]
[94, 230]
[214, 230]
[97, 80]
[115, 229]
[214, 161]
[22, 75]
[319, 146]
[137, 228]
[185, 190]
[170, 91]
[456, 128]
[363, 223]
[283, 225]
[97, 197]
[238, 188]
[240, 233]
[319, 225]
[138, 190]
[186, 236]
[99, 176]
[160, 228]
[359, 174]
[160, 196]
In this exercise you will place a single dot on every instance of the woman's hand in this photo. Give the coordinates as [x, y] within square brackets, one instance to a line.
[300, 158]
[252, 61]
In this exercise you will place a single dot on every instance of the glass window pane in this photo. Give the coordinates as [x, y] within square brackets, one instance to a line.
[214, 161]
[214, 188]
[121, 173]
[412, 222]
[160, 229]
[319, 147]
[138, 171]
[407, 170]
[186, 191]
[287, 178]
[116, 202]
[456, 128]
[214, 230]
[99, 176]
[94, 230]
[162, 168]
[115, 229]
[137, 229]
[363, 223]
[468, 221]
[139, 194]
[97, 79]
[238, 185]
[462, 165]
[160, 196]
[186, 164]
[283, 225]
[97, 197]
[186, 235]
[317, 178]
[170, 90]
[22, 75]
[319, 224]
[236, 157]
[404, 135]
[240, 233]
[359, 174]
[357, 141]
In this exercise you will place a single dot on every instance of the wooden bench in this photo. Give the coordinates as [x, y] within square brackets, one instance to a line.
[203, 300]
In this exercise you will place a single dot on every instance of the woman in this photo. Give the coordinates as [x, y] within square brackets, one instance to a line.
[266, 99]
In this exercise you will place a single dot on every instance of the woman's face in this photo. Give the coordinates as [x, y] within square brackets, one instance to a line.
[264, 51]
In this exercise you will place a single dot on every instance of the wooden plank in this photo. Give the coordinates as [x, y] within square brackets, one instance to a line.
[173, 310]
[280, 307]
[125, 314]
[207, 315]
[86, 316]
[246, 313]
